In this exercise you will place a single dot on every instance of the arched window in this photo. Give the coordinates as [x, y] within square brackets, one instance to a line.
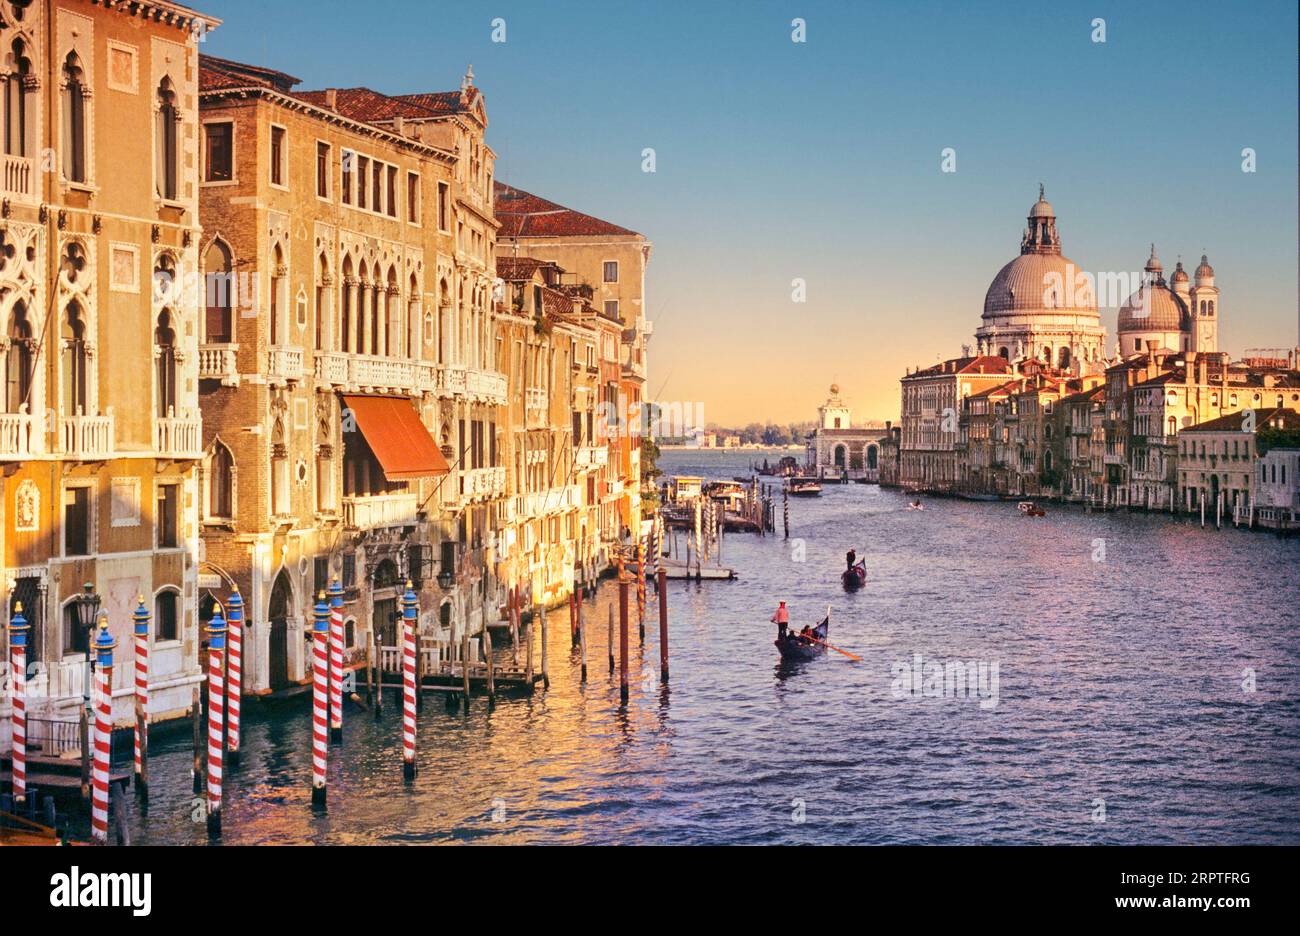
[165, 355]
[19, 69]
[166, 615]
[412, 318]
[279, 471]
[1004, 353]
[219, 294]
[221, 482]
[392, 317]
[322, 301]
[347, 308]
[166, 121]
[74, 120]
[1211, 308]
[1064, 358]
[73, 374]
[278, 295]
[18, 360]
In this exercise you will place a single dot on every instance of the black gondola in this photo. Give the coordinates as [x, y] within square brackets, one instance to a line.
[854, 578]
[794, 647]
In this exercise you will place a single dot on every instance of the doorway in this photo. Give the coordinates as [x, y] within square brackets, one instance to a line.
[281, 602]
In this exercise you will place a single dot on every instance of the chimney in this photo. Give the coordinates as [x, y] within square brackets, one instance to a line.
[399, 125]
[1202, 371]
[332, 98]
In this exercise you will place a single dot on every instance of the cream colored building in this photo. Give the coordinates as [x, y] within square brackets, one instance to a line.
[99, 422]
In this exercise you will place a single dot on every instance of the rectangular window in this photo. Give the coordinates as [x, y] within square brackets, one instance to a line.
[348, 160]
[322, 170]
[167, 615]
[413, 197]
[76, 521]
[218, 152]
[363, 170]
[611, 308]
[611, 271]
[349, 570]
[377, 183]
[443, 219]
[278, 173]
[125, 502]
[392, 191]
[168, 515]
[321, 566]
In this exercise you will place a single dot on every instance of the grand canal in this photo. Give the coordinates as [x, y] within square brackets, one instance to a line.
[1125, 647]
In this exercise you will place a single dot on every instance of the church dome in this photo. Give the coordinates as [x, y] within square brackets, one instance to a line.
[1180, 275]
[1204, 271]
[1040, 279]
[1154, 308]
[1037, 282]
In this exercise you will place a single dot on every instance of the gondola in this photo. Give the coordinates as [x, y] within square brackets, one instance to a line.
[793, 647]
[1030, 509]
[854, 578]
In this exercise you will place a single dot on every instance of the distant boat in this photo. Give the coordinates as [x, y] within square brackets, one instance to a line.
[916, 505]
[854, 578]
[805, 487]
[1030, 509]
[793, 647]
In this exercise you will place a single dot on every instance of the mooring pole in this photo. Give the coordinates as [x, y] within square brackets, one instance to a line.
[410, 623]
[377, 662]
[196, 724]
[103, 648]
[18, 628]
[610, 642]
[582, 637]
[216, 718]
[487, 659]
[640, 587]
[336, 661]
[546, 669]
[622, 639]
[573, 618]
[785, 510]
[320, 703]
[234, 676]
[141, 618]
[663, 624]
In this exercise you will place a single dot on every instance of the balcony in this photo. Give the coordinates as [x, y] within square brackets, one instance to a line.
[218, 362]
[363, 513]
[176, 437]
[489, 386]
[19, 176]
[285, 365]
[541, 503]
[87, 436]
[482, 483]
[591, 456]
[16, 434]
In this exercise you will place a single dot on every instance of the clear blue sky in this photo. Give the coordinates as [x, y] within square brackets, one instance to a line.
[820, 160]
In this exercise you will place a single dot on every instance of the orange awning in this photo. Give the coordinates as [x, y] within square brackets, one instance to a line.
[397, 437]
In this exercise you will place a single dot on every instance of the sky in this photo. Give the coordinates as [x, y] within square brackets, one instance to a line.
[820, 160]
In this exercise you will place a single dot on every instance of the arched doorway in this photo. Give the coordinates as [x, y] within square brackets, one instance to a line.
[839, 456]
[278, 615]
[872, 457]
[384, 616]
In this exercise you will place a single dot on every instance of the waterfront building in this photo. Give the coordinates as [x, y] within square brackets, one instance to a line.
[1218, 460]
[838, 449]
[932, 400]
[610, 261]
[1079, 441]
[99, 423]
[350, 379]
[1277, 487]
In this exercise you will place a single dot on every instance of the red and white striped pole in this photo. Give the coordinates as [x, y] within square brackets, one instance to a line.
[104, 645]
[216, 718]
[410, 622]
[18, 628]
[141, 618]
[234, 672]
[320, 703]
[336, 661]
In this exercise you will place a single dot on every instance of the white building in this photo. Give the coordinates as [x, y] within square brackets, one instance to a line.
[837, 450]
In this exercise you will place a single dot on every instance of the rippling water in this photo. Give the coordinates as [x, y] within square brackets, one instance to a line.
[1120, 682]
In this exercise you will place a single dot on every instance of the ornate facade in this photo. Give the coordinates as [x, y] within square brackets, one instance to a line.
[99, 427]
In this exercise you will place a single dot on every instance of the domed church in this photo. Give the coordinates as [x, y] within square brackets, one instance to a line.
[1175, 316]
[1043, 305]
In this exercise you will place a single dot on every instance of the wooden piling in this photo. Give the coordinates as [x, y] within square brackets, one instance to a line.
[610, 644]
[85, 748]
[196, 719]
[582, 638]
[546, 669]
[622, 640]
[487, 658]
[379, 673]
[663, 624]
[142, 734]
[464, 663]
[640, 589]
[573, 617]
[785, 510]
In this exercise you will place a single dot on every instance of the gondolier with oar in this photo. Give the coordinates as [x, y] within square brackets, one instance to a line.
[781, 619]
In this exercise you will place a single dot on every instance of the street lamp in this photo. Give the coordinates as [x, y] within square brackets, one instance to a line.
[87, 604]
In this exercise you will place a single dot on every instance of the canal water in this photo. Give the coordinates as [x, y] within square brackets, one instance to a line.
[1147, 690]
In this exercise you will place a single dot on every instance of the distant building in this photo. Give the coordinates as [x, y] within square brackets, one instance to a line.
[1277, 489]
[837, 450]
[1217, 460]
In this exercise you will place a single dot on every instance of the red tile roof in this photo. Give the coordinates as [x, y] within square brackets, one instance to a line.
[371, 106]
[216, 74]
[519, 268]
[523, 214]
[1273, 418]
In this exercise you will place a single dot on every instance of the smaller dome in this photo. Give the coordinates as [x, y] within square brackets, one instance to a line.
[835, 389]
[1042, 208]
[1153, 262]
[1154, 308]
[1204, 270]
[1180, 275]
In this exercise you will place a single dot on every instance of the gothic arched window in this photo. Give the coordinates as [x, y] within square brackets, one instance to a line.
[75, 402]
[15, 99]
[18, 360]
[166, 146]
[219, 323]
[221, 482]
[165, 344]
[74, 120]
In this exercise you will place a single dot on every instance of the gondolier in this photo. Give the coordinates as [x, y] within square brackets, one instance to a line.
[782, 620]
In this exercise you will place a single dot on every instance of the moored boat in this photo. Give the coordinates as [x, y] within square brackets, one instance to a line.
[1030, 509]
[794, 647]
[805, 487]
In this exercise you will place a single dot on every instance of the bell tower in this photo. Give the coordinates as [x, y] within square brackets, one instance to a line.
[1204, 305]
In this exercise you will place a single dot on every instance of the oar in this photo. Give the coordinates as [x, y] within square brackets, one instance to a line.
[832, 646]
